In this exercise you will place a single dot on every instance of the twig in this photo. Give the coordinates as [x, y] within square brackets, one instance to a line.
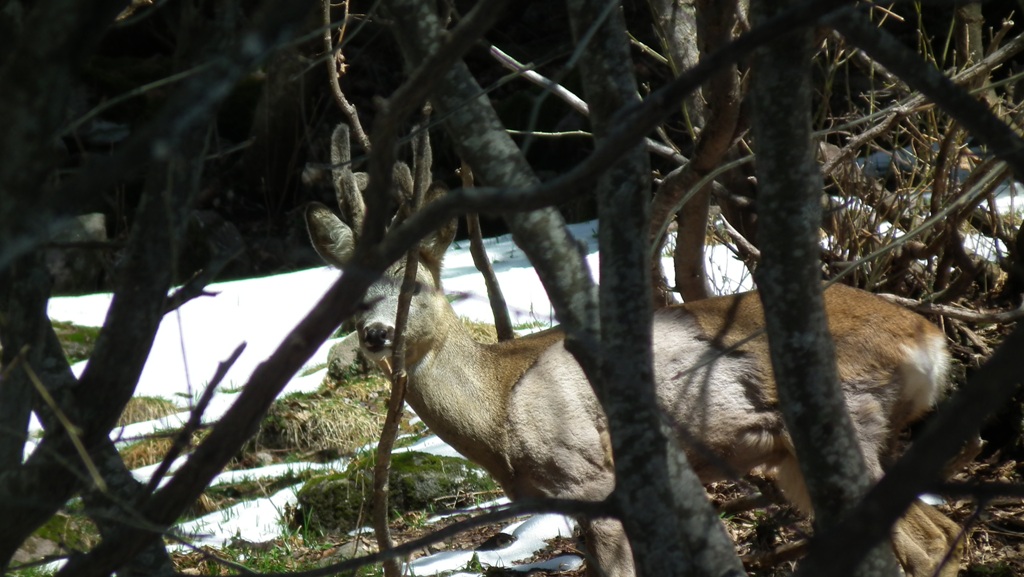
[389, 432]
[162, 83]
[401, 104]
[195, 420]
[781, 554]
[237, 425]
[988, 389]
[334, 63]
[499, 309]
[74, 432]
[192, 289]
[575, 102]
[399, 378]
[381, 468]
[744, 245]
[957, 312]
[493, 515]
[744, 503]
[940, 89]
[855, 143]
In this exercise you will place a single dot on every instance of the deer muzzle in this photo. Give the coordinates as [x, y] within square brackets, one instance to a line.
[377, 337]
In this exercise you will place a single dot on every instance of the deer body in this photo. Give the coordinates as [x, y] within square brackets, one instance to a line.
[524, 410]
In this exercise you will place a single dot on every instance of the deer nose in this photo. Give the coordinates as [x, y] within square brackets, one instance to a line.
[377, 336]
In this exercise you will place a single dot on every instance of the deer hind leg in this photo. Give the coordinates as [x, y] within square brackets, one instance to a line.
[924, 540]
[610, 554]
[927, 543]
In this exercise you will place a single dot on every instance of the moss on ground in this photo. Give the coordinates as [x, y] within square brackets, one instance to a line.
[77, 341]
[419, 482]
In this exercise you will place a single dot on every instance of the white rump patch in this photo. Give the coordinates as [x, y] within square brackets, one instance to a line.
[925, 370]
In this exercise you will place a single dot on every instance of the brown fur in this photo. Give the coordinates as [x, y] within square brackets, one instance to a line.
[866, 350]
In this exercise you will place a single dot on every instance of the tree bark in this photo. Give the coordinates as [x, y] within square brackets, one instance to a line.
[625, 385]
[789, 280]
[712, 30]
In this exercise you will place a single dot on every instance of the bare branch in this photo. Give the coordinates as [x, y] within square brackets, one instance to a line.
[981, 122]
[491, 516]
[195, 420]
[335, 62]
[237, 425]
[499, 310]
[981, 317]
[575, 102]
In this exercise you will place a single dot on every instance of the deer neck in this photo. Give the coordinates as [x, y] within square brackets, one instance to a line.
[454, 389]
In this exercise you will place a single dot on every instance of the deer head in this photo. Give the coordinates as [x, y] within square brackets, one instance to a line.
[335, 242]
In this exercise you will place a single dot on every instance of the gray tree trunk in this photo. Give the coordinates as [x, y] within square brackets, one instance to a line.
[789, 280]
[692, 542]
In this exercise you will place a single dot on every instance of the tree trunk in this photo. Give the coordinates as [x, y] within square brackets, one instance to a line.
[789, 280]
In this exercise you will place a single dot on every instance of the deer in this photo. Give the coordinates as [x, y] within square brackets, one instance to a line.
[524, 411]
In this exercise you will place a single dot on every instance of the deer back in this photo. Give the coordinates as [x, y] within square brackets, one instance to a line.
[881, 348]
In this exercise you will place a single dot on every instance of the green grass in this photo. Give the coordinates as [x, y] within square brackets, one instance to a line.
[78, 341]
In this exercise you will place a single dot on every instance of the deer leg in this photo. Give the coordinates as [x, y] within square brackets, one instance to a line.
[926, 542]
[608, 548]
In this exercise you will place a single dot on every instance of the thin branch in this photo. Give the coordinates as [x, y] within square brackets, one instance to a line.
[335, 64]
[411, 94]
[399, 378]
[631, 124]
[237, 425]
[925, 78]
[575, 102]
[195, 420]
[73, 432]
[745, 246]
[491, 516]
[499, 309]
[389, 432]
[983, 317]
[988, 389]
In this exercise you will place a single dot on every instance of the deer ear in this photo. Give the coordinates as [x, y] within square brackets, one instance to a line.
[332, 239]
[437, 243]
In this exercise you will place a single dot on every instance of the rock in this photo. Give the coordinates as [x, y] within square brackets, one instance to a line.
[497, 541]
[342, 356]
[212, 243]
[35, 548]
[359, 546]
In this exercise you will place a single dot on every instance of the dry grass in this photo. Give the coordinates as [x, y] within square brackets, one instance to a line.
[146, 452]
[140, 409]
[481, 332]
[339, 420]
